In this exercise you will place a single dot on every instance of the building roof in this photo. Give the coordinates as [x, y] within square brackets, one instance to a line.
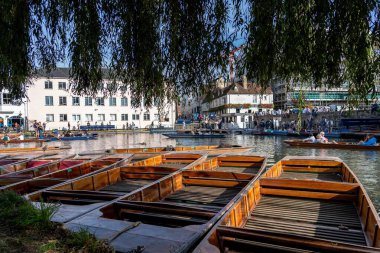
[63, 73]
[252, 88]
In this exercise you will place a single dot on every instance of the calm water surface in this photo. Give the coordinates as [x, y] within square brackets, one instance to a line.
[365, 164]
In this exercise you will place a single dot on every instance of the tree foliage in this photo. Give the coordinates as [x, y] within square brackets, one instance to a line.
[168, 48]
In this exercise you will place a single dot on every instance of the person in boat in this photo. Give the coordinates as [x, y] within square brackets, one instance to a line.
[369, 140]
[324, 139]
[311, 139]
[6, 137]
[318, 139]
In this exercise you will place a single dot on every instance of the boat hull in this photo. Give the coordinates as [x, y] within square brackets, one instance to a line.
[73, 138]
[195, 136]
[340, 145]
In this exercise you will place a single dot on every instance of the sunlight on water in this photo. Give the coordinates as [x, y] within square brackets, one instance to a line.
[365, 164]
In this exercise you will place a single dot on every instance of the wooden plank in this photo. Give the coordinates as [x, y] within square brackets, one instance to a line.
[308, 194]
[84, 183]
[321, 163]
[312, 169]
[216, 183]
[243, 159]
[147, 169]
[160, 219]
[283, 239]
[165, 210]
[100, 180]
[240, 164]
[218, 174]
[310, 185]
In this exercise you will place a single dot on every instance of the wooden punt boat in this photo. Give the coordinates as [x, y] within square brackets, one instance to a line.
[13, 163]
[41, 149]
[52, 175]
[73, 138]
[175, 211]
[34, 164]
[301, 204]
[209, 149]
[21, 141]
[339, 145]
[90, 192]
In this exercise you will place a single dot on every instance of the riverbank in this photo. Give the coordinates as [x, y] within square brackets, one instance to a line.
[28, 229]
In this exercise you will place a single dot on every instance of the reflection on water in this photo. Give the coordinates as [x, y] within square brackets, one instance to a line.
[363, 163]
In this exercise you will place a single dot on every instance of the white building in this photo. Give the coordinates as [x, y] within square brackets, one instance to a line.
[11, 111]
[238, 102]
[51, 101]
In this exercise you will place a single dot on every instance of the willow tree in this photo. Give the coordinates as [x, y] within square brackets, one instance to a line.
[170, 48]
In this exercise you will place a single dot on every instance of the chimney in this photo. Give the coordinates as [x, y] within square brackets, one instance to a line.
[245, 83]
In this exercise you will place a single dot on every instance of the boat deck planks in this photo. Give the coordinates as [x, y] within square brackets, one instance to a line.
[300, 204]
[337, 221]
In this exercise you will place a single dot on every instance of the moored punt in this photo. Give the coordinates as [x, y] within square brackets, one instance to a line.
[39, 149]
[34, 164]
[301, 204]
[235, 163]
[338, 145]
[72, 138]
[21, 141]
[174, 212]
[75, 168]
[209, 149]
[196, 136]
[17, 162]
[89, 192]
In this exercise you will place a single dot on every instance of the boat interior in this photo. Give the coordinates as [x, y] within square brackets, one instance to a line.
[53, 175]
[301, 204]
[192, 199]
[113, 183]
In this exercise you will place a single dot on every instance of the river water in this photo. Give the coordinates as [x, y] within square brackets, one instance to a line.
[365, 164]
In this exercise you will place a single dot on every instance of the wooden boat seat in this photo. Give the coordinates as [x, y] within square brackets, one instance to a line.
[323, 219]
[162, 213]
[126, 185]
[313, 172]
[250, 170]
[78, 197]
[203, 195]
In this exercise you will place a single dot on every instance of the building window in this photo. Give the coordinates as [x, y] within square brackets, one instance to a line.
[156, 101]
[237, 110]
[113, 117]
[135, 117]
[63, 117]
[100, 101]
[76, 117]
[76, 101]
[88, 101]
[48, 85]
[49, 117]
[89, 117]
[101, 117]
[112, 101]
[124, 117]
[49, 100]
[62, 85]
[124, 101]
[62, 101]
[146, 116]
[7, 98]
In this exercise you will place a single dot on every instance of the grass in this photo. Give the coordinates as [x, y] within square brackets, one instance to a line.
[27, 228]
